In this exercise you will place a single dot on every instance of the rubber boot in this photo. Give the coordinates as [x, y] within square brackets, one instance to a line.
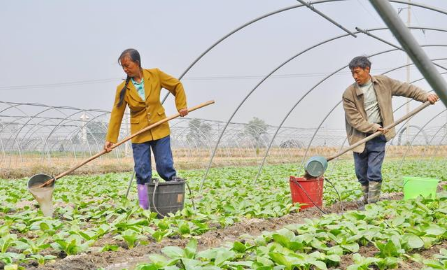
[143, 196]
[374, 191]
[364, 200]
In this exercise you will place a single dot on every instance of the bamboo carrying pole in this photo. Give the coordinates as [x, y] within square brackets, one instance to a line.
[123, 141]
[378, 133]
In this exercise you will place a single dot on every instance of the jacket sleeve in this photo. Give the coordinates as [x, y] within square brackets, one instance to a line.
[404, 89]
[355, 119]
[174, 86]
[116, 118]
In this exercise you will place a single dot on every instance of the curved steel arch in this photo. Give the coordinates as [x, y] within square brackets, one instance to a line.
[14, 105]
[242, 27]
[412, 64]
[330, 112]
[33, 117]
[284, 63]
[391, 141]
[200, 133]
[402, 2]
[75, 131]
[282, 10]
[276, 12]
[399, 138]
[299, 101]
[36, 127]
[389, 43]
[440, 142]
[56, 127]
[254, 89]
[36, 124]
[96, 142]
[11, 107]
[44, 141]
[322, 2]
[18, 145]
[411, 144]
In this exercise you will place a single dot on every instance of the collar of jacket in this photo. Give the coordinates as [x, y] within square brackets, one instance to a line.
[147, 86]
[357, 88]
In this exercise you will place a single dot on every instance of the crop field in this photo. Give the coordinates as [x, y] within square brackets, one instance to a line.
[231, 223]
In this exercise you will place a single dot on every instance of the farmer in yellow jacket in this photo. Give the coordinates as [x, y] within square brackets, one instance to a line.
[141, 93]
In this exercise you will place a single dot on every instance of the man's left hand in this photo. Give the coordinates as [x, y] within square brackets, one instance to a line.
[432, 98]
[183, 112]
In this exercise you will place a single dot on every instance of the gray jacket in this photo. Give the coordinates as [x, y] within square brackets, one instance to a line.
[357, 125]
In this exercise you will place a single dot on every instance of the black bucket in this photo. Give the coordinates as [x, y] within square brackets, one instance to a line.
[169, 197]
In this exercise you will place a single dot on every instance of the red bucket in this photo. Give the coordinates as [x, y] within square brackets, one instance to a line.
[307, 191]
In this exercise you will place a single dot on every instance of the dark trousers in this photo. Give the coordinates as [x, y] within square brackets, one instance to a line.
[163, 159]
[368, 165]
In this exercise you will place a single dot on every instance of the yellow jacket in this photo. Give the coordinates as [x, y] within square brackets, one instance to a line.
[148, 112]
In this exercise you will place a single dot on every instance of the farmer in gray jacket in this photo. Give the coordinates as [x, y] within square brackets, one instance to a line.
[368, 108]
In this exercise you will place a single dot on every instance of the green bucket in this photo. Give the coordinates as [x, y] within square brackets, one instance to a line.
[419, 186]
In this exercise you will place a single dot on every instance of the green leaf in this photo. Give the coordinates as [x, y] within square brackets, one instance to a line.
[319, 264]
[334, 258]
[191, 249]
[280, 259]
[184, 228]
[264, 261]
[191, 264]
[223, 256]
[163, 225]
[414, 241]
[109, 247]
[282, 240]
[147, 267]
[352, 247]
[44, 226]
[435, 230]
[173, 252]
[171, 267]
[158, 259]
[239, 247]
[397, 221]
[209, 254]
[158, 235]
[336, 250]
[11, 267]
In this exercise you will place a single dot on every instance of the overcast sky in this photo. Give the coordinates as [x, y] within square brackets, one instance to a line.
[65, 53]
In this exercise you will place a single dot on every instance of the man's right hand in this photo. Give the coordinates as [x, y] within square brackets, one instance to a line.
[432, 98]
[383, 130]
[108, 146]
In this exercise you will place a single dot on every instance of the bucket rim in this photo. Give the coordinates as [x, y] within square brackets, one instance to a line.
[166, 183]
[303, 179]
[48, 177]
[407, 179]
[427, 179]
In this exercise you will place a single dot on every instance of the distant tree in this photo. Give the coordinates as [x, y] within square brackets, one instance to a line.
[291, 144]
[199, 131]
[255, 129]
